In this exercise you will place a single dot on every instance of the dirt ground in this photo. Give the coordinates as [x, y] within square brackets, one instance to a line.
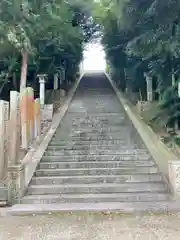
[91, 227]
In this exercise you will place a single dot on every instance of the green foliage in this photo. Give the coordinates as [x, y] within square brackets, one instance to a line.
[46, 31]
[169, 107]
[144, 36]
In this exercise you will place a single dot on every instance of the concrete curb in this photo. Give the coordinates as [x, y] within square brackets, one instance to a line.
[159, 151]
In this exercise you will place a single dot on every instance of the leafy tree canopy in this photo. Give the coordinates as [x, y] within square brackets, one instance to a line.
[41, 36]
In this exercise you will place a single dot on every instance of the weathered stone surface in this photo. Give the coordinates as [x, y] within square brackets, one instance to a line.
[95, 171]
[95, 164]
[96, 179]
[90, 198]
[80, 158]
[96, 188]
[95, 152]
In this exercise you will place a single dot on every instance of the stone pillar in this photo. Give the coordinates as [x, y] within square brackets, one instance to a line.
[14, 126]
[42, 88]
[30, 93]
[24, 118]
[18, 110]
[179, 89]
[56, 81]
[149, 87]
[173, 78]
[4, 118]
[37, 118]
[174, 176]
[61, 77]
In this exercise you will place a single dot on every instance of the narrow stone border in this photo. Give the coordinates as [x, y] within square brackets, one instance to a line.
[163, 156]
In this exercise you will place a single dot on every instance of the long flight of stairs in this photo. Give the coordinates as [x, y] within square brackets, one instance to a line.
[96, 155]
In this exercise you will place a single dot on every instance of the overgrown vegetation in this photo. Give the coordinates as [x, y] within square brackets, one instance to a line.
[143, 36]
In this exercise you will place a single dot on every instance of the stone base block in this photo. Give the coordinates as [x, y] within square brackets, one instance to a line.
[174, 177]
[16, 184]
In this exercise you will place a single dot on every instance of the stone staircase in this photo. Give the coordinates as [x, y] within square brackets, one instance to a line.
[96, 155]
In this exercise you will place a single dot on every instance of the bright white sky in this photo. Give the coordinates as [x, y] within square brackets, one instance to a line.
[94, 58]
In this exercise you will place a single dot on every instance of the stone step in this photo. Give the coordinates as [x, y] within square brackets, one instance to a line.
[93, 128]
[154, 177]
[149, 207]
[97, 188]
[99, 121]
[103, 115]
[95, 164]
[90, 147]
[89, 125]
[78, 118]
[90, 198]
[88, 138]
[95, 171]
[94, 132]
[96, 152]
[88, 143]
[95, 110]
[79, 158]
[87, 117]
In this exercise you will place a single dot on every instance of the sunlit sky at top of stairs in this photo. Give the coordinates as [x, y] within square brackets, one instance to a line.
[94, 58]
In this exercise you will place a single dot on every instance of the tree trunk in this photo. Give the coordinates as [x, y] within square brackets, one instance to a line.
[24, 70]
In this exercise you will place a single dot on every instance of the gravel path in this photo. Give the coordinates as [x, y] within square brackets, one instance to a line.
[90, 227]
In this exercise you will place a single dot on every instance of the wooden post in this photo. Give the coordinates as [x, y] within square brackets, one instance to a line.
[4, 117]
